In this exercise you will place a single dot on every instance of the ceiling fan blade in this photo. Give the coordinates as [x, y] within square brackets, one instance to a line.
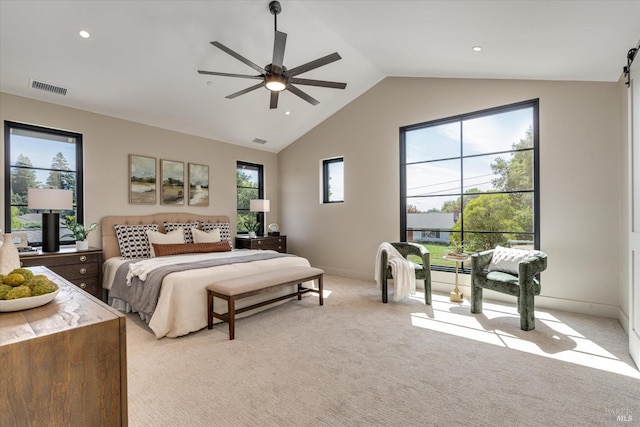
[303, 95]
[274, 99]
[313, 64]
[215, 73]
[320, 83]
[278, 52]
[239, 57]
[243, 91]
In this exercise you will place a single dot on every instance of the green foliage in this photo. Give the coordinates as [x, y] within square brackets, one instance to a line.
[61, 176]
[250, 223]
[488, 212]
[77, 231]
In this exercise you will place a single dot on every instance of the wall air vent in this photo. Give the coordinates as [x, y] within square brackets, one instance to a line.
[47, 87]
[259, 141]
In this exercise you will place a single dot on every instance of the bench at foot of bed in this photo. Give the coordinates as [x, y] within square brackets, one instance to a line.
[246, 286]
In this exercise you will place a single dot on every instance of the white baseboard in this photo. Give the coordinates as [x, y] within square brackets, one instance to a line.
[541, 301]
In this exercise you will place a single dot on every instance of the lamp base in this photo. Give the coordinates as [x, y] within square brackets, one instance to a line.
[273, 233]
[50, 232]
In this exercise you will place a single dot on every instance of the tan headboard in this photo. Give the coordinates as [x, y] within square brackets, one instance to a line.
[110, 245]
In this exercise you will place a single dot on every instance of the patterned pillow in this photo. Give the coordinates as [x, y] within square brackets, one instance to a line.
[507, 259]
[224, 227]
[186, 226]
[133, 240]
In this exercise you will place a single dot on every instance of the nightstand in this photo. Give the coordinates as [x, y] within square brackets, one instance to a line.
[275, 243]
[83, 268]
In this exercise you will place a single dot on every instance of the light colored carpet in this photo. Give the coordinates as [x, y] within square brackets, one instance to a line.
[358, 362]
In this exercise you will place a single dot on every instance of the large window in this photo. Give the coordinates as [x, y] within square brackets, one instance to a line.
[37, 157]
[333, 180]
[250, 186]
[471, 181]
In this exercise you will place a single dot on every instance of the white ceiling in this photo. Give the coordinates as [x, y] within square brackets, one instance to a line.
[141, 60]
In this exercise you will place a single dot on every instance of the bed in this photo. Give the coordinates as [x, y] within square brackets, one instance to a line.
[180, 306]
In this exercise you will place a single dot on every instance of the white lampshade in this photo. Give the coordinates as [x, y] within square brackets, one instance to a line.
[49, 198]
[259, 205]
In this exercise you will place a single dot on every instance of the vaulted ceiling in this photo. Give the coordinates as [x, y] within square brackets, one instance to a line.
[141, 61]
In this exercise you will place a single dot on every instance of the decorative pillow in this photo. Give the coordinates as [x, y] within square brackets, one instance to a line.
[200, 236]
[175, 236]
[190, 248]
[507, 259]
[224, 227]
[186, 226]
[133, 240]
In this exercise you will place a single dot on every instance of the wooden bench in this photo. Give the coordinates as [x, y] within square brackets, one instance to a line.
[246, 286]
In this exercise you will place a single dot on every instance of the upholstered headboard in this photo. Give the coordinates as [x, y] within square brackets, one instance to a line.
[110, 245]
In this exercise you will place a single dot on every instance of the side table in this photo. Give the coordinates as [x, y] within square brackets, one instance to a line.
[456, 295]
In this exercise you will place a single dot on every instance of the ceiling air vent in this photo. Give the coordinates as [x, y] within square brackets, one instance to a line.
[259, 141]
[47, 87]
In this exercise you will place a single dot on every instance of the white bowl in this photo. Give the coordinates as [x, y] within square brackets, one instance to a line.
[28, 302]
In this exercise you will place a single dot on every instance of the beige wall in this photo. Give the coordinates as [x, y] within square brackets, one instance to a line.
[581, 155]
[108, 142]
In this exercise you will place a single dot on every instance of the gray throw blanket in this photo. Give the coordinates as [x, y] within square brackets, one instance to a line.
[142, 296]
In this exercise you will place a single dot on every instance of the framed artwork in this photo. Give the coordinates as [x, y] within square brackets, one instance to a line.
[172, 182]
[142, 180]
[198, 185]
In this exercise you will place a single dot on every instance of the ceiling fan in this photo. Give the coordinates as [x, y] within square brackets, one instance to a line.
[275, 76]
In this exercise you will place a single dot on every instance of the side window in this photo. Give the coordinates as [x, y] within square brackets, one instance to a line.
[250, 186]
[333, 180]
[37, 157]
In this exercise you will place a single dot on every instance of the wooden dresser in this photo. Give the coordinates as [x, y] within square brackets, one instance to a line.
[83, 268]
[275, 243]
[64, 363]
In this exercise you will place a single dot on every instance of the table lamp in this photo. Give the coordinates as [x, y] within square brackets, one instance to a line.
[51, 199]
[260, 206]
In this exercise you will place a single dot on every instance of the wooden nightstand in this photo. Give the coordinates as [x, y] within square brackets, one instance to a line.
[83, 268]
[275, 243]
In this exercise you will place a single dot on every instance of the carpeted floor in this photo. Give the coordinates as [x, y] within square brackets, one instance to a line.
[358, 362]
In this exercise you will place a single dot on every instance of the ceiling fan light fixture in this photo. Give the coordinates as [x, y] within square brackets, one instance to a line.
[275, 83]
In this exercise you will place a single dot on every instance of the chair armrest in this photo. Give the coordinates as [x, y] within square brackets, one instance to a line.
[480, 260]
[410, 248]
[531, 266]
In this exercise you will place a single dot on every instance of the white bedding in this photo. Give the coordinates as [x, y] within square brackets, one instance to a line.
[182, 304]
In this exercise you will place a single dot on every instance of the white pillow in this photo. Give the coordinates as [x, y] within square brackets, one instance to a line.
[175, 236]
[200, 236]
[507, 259]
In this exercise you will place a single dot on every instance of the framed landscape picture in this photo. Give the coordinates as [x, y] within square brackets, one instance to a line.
[142, 180]
[198, 185]
[172, 182]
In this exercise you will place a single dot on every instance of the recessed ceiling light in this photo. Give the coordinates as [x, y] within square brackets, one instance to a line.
[287, 113]
[477, 48]
[84, 34]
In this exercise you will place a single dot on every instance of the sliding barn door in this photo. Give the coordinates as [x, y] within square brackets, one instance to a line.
[634, 231]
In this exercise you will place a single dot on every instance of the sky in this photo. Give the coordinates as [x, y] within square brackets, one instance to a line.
[481, 135]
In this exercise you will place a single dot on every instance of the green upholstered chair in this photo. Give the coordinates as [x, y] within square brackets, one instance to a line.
[422, 270]
[524, 285]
